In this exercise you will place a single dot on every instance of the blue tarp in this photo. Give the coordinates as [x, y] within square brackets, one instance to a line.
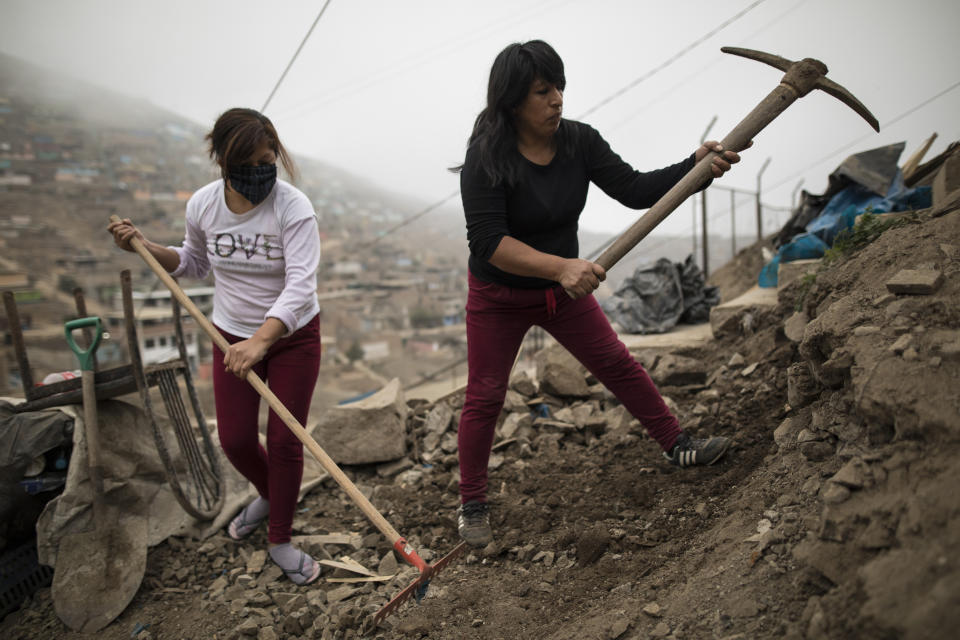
[839, 215]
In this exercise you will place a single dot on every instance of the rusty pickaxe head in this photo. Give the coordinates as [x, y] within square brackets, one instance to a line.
[806, 75]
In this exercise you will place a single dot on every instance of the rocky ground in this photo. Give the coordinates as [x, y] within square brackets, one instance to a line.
[834, 515]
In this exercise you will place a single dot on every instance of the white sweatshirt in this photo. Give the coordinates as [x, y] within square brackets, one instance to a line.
[264, 261]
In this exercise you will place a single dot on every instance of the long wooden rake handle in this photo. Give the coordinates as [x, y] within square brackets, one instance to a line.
[292, 423]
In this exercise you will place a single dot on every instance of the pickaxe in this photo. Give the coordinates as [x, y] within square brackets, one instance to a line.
[800, 79]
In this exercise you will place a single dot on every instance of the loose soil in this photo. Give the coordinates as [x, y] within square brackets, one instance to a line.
[834, 515]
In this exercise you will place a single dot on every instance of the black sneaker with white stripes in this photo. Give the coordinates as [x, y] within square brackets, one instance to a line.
[687, 452]
[474, 523]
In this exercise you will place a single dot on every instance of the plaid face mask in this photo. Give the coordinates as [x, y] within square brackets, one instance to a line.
[253, 183]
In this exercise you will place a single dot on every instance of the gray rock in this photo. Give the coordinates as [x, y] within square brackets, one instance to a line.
[513, 423]
[835, 493]
[736, 360]
[218, 587]
[438, 419]
[449, 442]
[341, 593]
[617, 628]
[514, 401]
[523, 384]
[582, 413]
[946, 344]
[811, 487]
[674, 370]
[257, 559]
[267, 633]
[816, 451]
[852, 475]
[292, 625]
[786, 433]
[565, 415]
[915, 281]
[390, 469]
[558, 380]
[618, 419]
[794, 326]
[388, 564]
[802, 388]
[846, 431]
[248, 627]
[557, 354]
[365, 432]
[901, 344]
[836, 370]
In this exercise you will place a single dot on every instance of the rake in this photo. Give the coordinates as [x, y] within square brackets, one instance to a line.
[418, 588]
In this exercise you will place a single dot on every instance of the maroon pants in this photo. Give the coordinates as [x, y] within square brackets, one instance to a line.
[498, 317]
[290, 369]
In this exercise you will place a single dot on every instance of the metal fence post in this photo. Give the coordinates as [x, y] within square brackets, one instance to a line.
[793, 196]
[733, 224]
[759, 206]
[703, 207]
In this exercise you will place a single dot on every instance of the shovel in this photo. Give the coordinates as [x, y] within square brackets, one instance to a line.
[98, 572]
[417, 589]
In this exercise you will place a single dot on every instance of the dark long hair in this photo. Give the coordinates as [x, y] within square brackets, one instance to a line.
[238, 133]
[494, 136]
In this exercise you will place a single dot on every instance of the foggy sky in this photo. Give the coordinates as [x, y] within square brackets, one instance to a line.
[389, 90]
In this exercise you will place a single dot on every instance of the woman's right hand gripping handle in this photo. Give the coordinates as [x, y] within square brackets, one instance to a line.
[580, 277]
[123, 231]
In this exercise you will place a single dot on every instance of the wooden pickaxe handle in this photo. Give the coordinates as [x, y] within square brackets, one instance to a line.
[801, 78]
[278, 407]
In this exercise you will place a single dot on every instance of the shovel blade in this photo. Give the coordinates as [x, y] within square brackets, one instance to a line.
[98, 573]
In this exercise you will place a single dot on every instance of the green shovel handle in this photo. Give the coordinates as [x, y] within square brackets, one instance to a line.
[84, 355]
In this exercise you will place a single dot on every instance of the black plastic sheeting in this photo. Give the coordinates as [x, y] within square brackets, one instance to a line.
[659, 297]
[23, 438]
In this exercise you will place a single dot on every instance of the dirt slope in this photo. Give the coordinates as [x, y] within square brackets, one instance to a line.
[834, 516]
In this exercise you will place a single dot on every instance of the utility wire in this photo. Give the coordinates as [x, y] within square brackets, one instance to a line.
[415, 216]
[868, 135]
[290, 64]
[832, 154]
[416, 60]
[661, 95]
[603, 102]
[663, 65]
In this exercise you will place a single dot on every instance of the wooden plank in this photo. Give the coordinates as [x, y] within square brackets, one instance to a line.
[346, 566]
[363, 579]
[352, 539]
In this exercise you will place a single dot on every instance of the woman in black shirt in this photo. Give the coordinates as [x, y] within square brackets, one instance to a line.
[524, 184]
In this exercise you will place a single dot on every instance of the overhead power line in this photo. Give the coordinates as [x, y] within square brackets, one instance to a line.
[296, 53]
[396, 67]
[605, 101]
[414, 217]
[666, 63]
[883, 126]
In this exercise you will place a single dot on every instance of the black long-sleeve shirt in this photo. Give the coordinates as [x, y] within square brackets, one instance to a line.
[543, 208]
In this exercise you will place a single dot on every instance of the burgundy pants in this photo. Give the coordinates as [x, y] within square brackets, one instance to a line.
[498, 317]
[290, 369]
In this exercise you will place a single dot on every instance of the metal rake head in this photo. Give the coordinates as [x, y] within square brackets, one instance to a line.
[418, 588]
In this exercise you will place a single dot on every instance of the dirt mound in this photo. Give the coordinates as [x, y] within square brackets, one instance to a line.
[833, 516]
[740, 273]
